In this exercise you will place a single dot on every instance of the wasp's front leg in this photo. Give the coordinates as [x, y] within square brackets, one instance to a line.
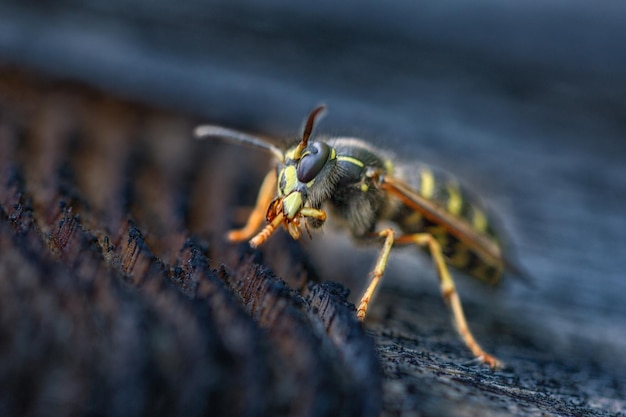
[277, 218]
[256, 218]
[377, 273]
[313, 213]
[313, 216]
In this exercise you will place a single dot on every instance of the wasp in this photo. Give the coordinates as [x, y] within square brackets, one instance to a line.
[362, 186]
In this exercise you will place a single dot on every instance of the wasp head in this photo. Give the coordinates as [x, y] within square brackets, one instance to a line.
[303, 177]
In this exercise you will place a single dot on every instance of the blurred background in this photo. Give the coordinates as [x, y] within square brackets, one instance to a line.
[525, 102]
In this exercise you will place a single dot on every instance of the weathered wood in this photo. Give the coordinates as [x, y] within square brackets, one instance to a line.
[111, 220]
[109, 305]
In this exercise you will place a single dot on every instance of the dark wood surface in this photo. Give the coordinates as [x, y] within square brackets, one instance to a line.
[109, 302]
[527, 111]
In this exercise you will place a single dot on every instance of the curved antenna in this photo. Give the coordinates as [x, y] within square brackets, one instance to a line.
[308, 128]
[212, 131]
[310, 121]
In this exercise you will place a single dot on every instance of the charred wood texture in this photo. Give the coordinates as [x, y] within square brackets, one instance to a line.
[118, 294]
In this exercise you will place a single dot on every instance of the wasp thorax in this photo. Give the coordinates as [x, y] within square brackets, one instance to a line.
[313, 159]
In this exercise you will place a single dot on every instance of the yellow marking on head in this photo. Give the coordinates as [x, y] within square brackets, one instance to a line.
[288, 179]
[292, 204]
[455, 201]
[351, 160]
[333, 153]
[427, 187]
[479, 221]
[364, 187]
[291, 153]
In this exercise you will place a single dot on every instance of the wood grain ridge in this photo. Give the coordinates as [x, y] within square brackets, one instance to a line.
[118, 294]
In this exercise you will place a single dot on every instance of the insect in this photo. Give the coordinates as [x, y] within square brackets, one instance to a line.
[361, 186]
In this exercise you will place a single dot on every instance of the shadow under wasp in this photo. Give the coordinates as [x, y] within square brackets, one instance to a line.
[362, 186]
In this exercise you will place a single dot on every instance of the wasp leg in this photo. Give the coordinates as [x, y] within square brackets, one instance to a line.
[256, 218]
[377, 273]
[450, 295]
[313, 212]
[267, 231]
[293, 227]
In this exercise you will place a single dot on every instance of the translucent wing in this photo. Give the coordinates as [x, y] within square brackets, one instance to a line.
[488, 249]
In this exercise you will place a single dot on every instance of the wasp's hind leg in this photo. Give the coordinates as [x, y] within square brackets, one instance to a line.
[256, 218]
[377, 273]
[450, 295]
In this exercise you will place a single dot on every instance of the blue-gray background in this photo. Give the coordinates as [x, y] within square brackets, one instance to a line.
[524, 100]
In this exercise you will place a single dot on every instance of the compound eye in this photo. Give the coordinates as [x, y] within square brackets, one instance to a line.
[313, 160]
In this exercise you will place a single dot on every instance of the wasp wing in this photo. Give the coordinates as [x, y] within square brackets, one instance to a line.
[488, 249]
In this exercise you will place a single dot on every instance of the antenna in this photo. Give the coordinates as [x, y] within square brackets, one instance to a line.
[308, 128]
[212, 131]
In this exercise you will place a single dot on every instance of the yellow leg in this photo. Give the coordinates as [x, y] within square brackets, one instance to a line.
[293, 226]
[377, 273]
[267, 231]
[450, 295]
[313, 212]
[256, 218]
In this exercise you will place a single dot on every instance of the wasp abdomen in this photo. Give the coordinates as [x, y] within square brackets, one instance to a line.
[445, 193]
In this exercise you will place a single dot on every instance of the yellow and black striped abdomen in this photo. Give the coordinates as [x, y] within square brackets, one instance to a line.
[461, 210]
